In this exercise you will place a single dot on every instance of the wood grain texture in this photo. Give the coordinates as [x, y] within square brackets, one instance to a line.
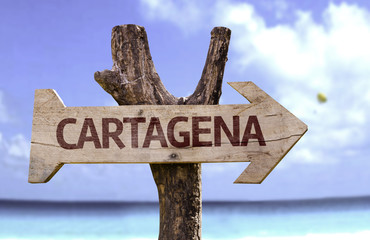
[280, 130]
[133, 80]
[63, 135]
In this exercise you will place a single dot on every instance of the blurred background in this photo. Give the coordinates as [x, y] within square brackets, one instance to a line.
[312, 57]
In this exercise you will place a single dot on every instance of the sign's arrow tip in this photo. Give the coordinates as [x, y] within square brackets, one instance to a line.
[288, 129]
[42, 170]
[250, 91]
[257, 171]
[53, 144]
[47, 98]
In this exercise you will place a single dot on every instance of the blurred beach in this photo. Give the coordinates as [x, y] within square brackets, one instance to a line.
[271, 220]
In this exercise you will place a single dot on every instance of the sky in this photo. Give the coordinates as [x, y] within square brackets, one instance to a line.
[293, 50]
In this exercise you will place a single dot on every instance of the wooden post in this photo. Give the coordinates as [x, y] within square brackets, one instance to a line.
[133, 80]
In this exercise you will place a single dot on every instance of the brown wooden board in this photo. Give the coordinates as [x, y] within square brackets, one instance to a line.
[261, 133]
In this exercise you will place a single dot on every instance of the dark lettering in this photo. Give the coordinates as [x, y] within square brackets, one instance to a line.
[88, 123]
[197, 131]
[170, 133]
[60, 134]
[114, 135]
[234, 138]
[134, 129]
[154, 122]
[252, 120]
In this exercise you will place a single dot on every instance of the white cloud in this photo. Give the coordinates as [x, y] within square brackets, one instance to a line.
[14, 158]
[14, 150]
[281, 7]
[186, 14]
[4, 114]
[299, 60]
[306, 58]
[277, 7]
[19, 146]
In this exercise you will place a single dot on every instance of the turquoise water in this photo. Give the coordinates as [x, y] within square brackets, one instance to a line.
[229, 220]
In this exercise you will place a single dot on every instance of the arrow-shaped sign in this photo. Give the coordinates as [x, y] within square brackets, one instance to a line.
[261, 133]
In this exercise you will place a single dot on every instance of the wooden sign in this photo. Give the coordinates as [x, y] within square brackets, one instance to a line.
[261, 133]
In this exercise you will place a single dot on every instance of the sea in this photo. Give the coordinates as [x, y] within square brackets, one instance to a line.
[337, 218]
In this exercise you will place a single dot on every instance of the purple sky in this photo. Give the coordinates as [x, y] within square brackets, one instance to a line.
[291, 49]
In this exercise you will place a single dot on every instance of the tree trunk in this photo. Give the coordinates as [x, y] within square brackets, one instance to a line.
[133, 80]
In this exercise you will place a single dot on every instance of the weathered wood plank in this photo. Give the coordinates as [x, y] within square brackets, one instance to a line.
[133, 80]
[261, 132]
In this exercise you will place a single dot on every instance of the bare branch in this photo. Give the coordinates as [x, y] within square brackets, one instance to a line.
[209, 86]
[133, 79]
